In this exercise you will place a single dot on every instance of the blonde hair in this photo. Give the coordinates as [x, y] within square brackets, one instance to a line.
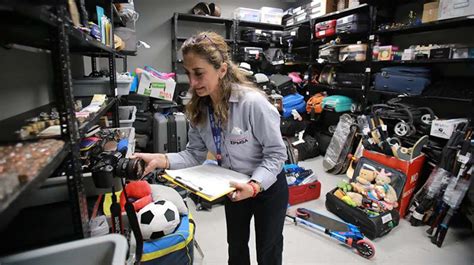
[213, 48]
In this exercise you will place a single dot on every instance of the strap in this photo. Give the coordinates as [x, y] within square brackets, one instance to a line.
[216, 135]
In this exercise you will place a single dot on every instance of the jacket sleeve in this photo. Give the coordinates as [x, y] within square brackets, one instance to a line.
[194, 155]
[265, 121]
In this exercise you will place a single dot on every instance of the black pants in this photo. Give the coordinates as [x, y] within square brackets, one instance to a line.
[269, 209]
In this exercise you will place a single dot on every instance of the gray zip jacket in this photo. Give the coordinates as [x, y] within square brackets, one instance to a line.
[251, 143]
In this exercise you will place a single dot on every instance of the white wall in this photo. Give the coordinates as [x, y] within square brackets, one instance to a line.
[154, 27]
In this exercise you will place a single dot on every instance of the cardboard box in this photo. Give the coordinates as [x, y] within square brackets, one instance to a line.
[410, 168]
[153, 86]
[455, 8]
[444, 128]
[319, 8]
[430, 12]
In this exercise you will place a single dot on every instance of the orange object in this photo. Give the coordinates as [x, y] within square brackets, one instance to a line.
[315, 103]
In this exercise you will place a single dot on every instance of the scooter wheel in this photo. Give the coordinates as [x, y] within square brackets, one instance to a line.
[365, 249]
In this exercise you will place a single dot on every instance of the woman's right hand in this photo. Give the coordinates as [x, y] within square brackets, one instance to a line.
[152, 161]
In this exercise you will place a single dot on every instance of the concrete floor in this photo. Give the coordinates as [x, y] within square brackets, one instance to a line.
[403, 245]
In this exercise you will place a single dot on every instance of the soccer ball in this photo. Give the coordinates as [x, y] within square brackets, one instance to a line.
[158, 219]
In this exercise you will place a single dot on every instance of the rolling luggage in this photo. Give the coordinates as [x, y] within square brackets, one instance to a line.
[291, 152]
[250, 54]
[353, 53]
[375, 225]
[325, 29]
[355, 80]
[329, 53]
[402, 79]
[299, 34]
[355, 23]
[170, 132]
[338, 103]
[291, 102]
[283, 84]
[256, 35]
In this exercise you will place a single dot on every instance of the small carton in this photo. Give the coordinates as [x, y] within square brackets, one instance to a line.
[153, 86]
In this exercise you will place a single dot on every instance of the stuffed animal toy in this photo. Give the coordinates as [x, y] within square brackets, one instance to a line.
[139, 193]
[356, 198]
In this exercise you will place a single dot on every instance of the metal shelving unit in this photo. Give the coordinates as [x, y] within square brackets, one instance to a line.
[10, 206]
[176, 38]
[426, 29]
[47, 27]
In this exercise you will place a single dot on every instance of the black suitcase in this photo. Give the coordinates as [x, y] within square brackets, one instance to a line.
[299, 34]
[329, 53]
[170, 132]
[256, 35]
[250, 54]
[355, 80]
[372, 227]
[143, 123]
[291, 152]
[355, 23]
[276, 36]
[283, 84]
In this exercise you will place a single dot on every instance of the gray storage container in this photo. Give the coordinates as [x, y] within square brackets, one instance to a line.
[85, 87]
[127, 115]
[103, 250]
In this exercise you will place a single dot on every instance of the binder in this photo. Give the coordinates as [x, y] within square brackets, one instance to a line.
[206, 181]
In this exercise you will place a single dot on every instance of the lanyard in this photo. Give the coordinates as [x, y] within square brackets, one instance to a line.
[216, 134]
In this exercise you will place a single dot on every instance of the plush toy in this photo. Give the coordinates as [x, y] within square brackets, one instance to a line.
[359, 188]
[139, 193]
[356, 198]
[367, 175]
[383, 177]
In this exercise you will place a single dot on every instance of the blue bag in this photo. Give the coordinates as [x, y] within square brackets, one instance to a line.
[293, 101]
[175, 248]
[402, 79]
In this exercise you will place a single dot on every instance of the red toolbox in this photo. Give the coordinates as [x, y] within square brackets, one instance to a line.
[410, 168]
[302, 193]
[325, 29]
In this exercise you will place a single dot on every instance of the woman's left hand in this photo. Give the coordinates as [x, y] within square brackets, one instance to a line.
[242, 191]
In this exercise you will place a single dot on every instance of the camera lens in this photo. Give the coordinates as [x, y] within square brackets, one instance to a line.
[130, 168]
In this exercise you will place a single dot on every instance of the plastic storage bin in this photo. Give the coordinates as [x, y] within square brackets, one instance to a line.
[247, 14]
[104, 250]
[85, 87]
[271, 15]
[127, 115]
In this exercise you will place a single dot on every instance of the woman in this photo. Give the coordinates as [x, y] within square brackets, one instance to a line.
[235, 122]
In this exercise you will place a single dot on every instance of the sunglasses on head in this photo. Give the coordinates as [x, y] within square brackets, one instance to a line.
[197, 39]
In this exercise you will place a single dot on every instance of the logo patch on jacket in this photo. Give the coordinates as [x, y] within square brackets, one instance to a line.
[239, 141]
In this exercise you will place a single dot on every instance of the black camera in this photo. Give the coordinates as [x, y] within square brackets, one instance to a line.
[110, 164]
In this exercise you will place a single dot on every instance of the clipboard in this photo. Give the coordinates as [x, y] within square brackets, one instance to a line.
[209, 182]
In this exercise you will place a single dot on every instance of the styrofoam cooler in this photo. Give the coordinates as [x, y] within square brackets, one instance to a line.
[127, 115]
